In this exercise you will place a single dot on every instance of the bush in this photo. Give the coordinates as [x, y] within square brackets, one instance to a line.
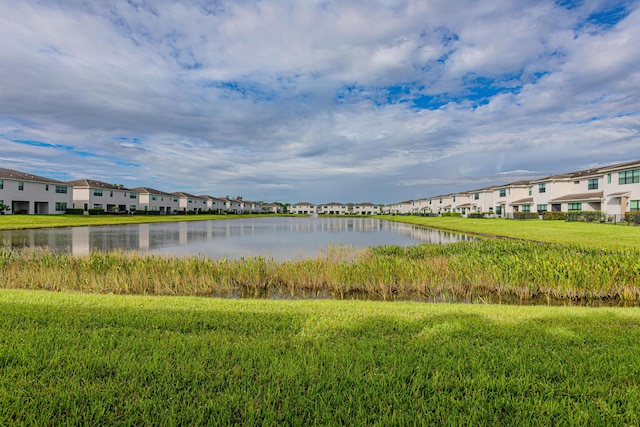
[526, 215]
[476, 215]
[585, 216]
[554, 216]
[96, 211]
[451, 214]
[632, 217]
[70, 211]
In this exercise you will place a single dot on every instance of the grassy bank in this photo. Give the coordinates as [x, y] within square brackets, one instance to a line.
[17, 222]
[570, 233]
[78, 359]
[489, 270]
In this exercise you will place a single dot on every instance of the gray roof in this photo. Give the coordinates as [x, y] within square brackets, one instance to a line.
[23, 176]
[577, 197]
[97, 184]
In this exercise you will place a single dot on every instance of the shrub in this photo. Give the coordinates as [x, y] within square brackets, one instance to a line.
[554, 216]
[70, 211]
[585, 216]
[632, 217]
[451, 214]
[525, 215]
[476, 215]
[96, 211]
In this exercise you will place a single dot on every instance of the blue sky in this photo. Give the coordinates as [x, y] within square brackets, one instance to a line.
[318, 101]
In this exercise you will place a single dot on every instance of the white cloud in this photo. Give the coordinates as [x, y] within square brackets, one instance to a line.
[244, 97]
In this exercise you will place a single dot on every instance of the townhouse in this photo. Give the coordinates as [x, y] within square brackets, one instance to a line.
[189, 202]
[214, 204]
[24, 193]
[621, 188]
[271, 208]
[92, 194]
[302, 208]
[150, 199]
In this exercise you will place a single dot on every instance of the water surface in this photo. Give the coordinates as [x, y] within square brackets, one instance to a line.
[281, 238]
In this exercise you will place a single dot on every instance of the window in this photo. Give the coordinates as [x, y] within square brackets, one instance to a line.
[629, 177]
[542, 208]
[542, 188]
[1, 184]
[608, 178]
[61, 206]
[132, 195]
[175, 199]
[526, 208]
[531, 191]
[476, 196]
[576, 182]
[429, 201]
[97, 206]
[454, 198]
[154, 197]
[111, 193]
[503, 192]
[97, 192]
[634, 205]
[498, 210]
[190, 201]
[593, 184]
[46, 187]
[61, 189]
[575, 206]
[21, 186]
[440, 200]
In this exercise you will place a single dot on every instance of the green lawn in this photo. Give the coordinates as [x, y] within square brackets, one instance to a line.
[576, 233]
[72, 358]
[14, 222]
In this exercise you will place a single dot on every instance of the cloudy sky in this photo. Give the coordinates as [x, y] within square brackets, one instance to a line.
[327, 100]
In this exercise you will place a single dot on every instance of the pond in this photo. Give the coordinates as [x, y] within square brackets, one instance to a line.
[282, 238]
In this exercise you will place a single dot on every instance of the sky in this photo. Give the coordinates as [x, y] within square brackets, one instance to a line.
[292, 100]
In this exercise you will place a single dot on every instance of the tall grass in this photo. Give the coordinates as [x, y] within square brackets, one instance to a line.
[484, 271]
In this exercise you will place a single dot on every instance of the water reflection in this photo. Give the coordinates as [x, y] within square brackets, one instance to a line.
[281, 238]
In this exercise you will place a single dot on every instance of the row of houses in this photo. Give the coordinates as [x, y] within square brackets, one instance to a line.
[335, 208]
[24, 193]
[613, 189]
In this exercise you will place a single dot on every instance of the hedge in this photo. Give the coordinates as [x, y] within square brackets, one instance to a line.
[70, 211]
[525, 215]
[554, 216]
[451, 214]
[585, 216]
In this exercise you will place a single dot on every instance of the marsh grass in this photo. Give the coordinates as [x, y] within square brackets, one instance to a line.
[488, 271]
[81, 359]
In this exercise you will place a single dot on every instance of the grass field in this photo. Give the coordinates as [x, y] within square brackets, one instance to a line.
[16, 222]
[567, 233]
[82, 359]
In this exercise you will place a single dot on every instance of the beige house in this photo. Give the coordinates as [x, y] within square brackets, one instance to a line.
[150, 199]
[302, 208]
[190, 203]
[92, 194]
[26, 193]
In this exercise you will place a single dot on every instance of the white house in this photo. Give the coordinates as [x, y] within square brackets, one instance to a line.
[190, 203]
[366, 208]
[621, 188]
[150, 199]
[572, 191]
[302, 208]
[214, 204]
[26, 193]
[91, 194]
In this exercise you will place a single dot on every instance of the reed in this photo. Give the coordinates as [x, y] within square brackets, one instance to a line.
[491, 270]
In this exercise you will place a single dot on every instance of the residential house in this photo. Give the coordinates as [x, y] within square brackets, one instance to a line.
[302, 208]
[271, 208]
[214, 204]
[333, 208]
[580, 190]
[25, 193]
[621, 188]
[366, 208]
[512, 197]
[92, 194]
[190, 203]
[150, 199]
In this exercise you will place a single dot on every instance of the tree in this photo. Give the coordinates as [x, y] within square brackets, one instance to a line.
[4, 208]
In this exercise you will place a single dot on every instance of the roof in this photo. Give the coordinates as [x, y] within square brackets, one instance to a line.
[623, 193]
[466, 205]
[620, 166]
[303, 204]
[150, 191]
[578, 197]
[523, 201]
[23, 176]
[183, 194]
[91, 183]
